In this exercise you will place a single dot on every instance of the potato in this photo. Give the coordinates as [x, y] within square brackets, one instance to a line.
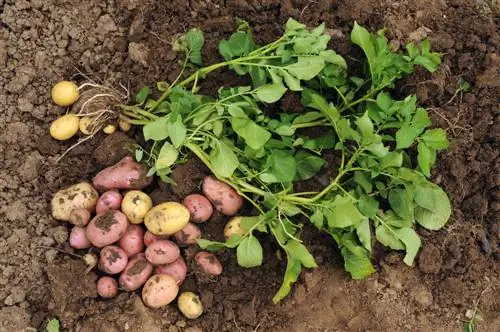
[135, 205]
[109, 200]
[86, 125]
[225, 199]
[65, 93]
[176, 269]
[126, 174]
[107, 287]
[190, 305]
[166, 218]
[233, 227]
[162, 252]
[188, 235]
[78, 238]
[150, 238]
[80, 195]
[112, 260]
[208, 263]
[79, 217]
[90, 259]
[107, 228]
[65, 127]
[159, 291]
[200, 208]
[136, 273]
[132, 242]
[109, 129]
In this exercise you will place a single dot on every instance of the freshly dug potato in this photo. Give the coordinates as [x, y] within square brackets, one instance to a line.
[225, 199]
[150, 238]
[65, 127]
[78, 238]
[162, 252]
[135, 205]
[208, 263]
[126, 174]
[132, 242]
[109, 129]
[166, 218]
[176, 269]
[109, 200]
[112, 260]
[188, 235]
[159, 291]
[107, 287]
[200, 208]
[65, 93]
[79, 217]
[136, 273]
[107, 228]
[190, 305]
[233, 227]
[80, 195]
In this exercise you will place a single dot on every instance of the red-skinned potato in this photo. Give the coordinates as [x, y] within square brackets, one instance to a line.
[136, 273]
[126, 174]
[132, 242]
[208, 263]
[159, 291]
[225, 199]
[112, 260]
[150, 238]
[106, 228]
[109, 200]
[176, 269]
[200, 208]
[162, 252]
[107, 287]
[79, 217]
[188, 235]
[78, 238]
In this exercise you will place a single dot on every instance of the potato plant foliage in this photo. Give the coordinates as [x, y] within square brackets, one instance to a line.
[383, 147]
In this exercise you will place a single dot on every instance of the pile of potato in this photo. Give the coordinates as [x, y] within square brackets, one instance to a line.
[138, 242]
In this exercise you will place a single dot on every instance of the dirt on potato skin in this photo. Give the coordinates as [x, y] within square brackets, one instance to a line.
[126, 41]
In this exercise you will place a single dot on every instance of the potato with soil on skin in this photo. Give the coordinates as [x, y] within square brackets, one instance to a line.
[109, 200]
[166, 218]
[188, 235]
[126, 174]
[78, 238]
[107, 287]
[112, 260]
[162, 252]
[107, 228]
[208, 263]
[79, 217]
[132, 242]
[190, 305]
[135, 205]
[233, 227]
[150, 238]
[200, 208]
[136, 273]
[80, 195]
[176, 269]
[225, 199]
[159, 291]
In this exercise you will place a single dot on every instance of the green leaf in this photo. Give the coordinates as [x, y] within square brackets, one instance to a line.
[240, 43]
[401, 201]
[270, 93]
[364, 234]
[388, 237]
[308, 117]
[425, 158]
[434, 208]
[411, 242]
[285, 130]
[435, 138]
[249, 223]
[143, 94]
[363, 179]
[343, 213]
[361, 37]
[156, 130]
[314, 100]
[293, 25]
[317, 219]
[254, 135]
[167, 156]
[139, 152]
[384, 101]
[307, 165]
[357, 262]
[223, 159]
[53, 325]
[365, 125]
[176, 130]
[378, 149]
[392, 159]
[299, 252]
[195, 41]
[292, 273]
[249, 252]
[280, 167]
[368, 206]
[306, 68]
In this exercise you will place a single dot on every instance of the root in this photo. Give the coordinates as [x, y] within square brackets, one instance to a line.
[453, 125]
[93, 98]
[80, 141]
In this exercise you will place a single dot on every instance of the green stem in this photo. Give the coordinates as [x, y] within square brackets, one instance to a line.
[309, 124]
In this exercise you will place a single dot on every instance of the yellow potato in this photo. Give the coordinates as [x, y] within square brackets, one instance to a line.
[166, 218]
[190, 305]
[233, 227]
[65, 93]
[80, 195]
[135, 205]
[109, 129]
[86, 125]
[124, 125]
[65, 127]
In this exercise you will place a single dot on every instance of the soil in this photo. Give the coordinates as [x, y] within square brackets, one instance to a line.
[127, 41]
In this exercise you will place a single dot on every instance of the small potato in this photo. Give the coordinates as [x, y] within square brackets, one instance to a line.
[135, 205]
[78, 238]
[87, 125]
[200, 208]
[136, 273]
[107, 287]
[107, 228]
[109, 200]
[208, 263]
[112, 260]
[233, 227]
[176, 269]
[190, 305]
[65, 93]
[225, 199]
[166, 218]
[162, 252]
[109, 129]
[188, 235]
[132, 242]
[65, 127]
[80, 195]
[79, 217]
[150, 238]
[124, 125]
[126, 174]
[159, 291]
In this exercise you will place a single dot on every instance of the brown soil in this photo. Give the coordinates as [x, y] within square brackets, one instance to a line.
[127, 41]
